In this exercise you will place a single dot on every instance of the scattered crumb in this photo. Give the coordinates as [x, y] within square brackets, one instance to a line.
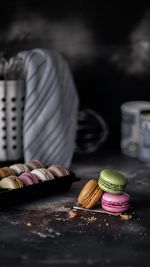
[42, 235]
[72, 214]
[29, 224]
[88, 219]
[126, 216]
[92, 219]
[107, 224]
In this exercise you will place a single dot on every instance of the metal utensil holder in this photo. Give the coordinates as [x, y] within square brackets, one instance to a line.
[12, 96]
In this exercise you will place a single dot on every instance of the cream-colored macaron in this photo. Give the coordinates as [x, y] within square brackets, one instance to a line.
[11, 182]
[43, 174]
[19, 168]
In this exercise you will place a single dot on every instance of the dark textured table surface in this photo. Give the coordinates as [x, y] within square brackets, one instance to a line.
[40, 233]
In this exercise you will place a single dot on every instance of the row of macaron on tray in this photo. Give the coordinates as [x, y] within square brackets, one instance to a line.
[33, 172]
[108, 190]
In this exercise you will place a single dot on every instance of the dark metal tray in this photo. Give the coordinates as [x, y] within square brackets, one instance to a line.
[59, 185]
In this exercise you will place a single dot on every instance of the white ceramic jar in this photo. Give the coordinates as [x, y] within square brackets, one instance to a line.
[130, 128]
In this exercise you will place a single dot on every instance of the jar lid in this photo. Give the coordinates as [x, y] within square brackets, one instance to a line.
[134, 106]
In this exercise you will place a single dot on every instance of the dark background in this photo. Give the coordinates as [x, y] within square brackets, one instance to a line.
[106, 44]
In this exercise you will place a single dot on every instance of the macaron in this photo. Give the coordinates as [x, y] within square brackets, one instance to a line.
[43, 174]
[115, 203]
[19, 168]
[35, 164]
[58, 170]
[28, 178]
[11, 182]
[112, 181]
[6, 171]
[90, 194]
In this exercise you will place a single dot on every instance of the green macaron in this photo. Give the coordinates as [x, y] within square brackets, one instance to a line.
[112, 181]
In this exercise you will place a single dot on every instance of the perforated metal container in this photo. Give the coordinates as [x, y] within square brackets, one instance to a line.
[12, 95]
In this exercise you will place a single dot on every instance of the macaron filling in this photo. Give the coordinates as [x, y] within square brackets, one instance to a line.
[115, 203]
[111, 186]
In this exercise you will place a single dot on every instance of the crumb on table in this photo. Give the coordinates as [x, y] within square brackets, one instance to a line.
[126, 216]
[72, 214]
[29, 224]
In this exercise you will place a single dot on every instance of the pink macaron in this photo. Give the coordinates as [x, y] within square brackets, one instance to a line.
[28, 178]
[115, 203]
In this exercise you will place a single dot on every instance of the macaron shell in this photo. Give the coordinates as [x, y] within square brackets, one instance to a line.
[28, 178]
[90, 194]
[5, 172]
[112, 181]
[11, 182]
[58, 170]
[19, 168]
[112, 189]
[112, 175]
[115, 203]
[43, 174]
[35, 164]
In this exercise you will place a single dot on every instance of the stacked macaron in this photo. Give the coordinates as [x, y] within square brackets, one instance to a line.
[33, 172]
[113, 183]
[108, 189]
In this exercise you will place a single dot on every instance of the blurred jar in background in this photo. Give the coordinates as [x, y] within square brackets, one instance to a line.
[144, 137]
[130, 126]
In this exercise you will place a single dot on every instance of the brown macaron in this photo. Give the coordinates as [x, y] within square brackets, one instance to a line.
[90, 194]
[5, 172]
[58, 170]
[35, 164]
